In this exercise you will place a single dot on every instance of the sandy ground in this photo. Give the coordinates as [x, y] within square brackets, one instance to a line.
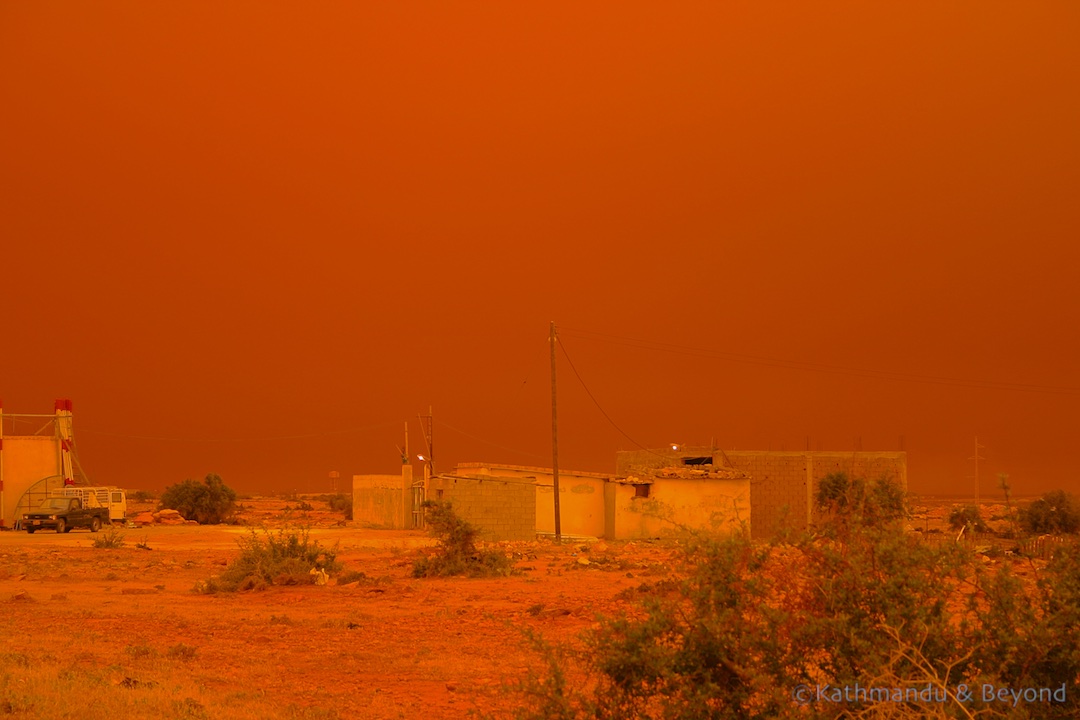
[391, 647]
[395, 647]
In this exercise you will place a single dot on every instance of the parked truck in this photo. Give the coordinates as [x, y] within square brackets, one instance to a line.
[64, 513]
[113, 498]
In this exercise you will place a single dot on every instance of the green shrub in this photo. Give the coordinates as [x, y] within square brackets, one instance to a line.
[1056, 512]
[283, 557]
[342, 504]
[111, 538]
[456, 553]
[182, 652]
[842, 498]
[968, 517]
[209, 502]
[750, 624]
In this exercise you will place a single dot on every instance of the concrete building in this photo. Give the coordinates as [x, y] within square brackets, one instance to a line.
[516, 502]
[653, 493]
[782, 483]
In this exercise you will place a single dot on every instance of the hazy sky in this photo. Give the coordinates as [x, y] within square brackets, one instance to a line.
[254, 238]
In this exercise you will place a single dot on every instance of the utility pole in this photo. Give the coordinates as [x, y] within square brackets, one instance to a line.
[555, 438]
[976, 457]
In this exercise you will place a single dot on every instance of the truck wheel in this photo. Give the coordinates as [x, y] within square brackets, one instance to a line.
[95, 524]
[29, 531]
[61, 525]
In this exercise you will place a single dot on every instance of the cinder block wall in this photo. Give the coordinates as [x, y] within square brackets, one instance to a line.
[503, 508]
[581, 496]
[783, 484]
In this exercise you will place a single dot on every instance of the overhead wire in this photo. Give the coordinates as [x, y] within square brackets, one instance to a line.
[596, 402]
[301, 436]
[816, 367]
[448, 426]
[562, 346]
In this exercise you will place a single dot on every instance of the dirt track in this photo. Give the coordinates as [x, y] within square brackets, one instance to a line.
[394, 647]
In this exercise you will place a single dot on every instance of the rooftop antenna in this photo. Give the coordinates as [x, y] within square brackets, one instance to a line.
[428, 430]
[405, 452]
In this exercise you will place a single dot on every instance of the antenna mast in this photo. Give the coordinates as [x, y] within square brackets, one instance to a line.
[976, 457]
[555, 438]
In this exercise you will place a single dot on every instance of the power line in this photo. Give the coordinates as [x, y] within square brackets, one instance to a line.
[305, 436]
[817, 367]
[448, 426]
[595, 401]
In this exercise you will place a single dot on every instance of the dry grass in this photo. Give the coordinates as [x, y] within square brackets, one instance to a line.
[122, 631]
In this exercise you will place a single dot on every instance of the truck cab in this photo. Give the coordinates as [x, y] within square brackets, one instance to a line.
[64, 513]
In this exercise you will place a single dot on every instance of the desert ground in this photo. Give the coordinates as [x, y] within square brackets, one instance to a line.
[119, 632]
[94, 632]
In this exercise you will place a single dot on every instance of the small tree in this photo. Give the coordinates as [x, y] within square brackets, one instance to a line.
[847, 498]
[1054, 513]
[968, 517]
[208, 502]
[341, 503]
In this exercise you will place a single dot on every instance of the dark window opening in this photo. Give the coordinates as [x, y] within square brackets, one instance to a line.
[438, 494]
[641, 490]
[697, 461]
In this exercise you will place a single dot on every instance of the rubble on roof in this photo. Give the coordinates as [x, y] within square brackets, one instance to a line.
[696, 472]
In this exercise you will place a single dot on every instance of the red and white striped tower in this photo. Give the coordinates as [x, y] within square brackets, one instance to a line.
[63, 432]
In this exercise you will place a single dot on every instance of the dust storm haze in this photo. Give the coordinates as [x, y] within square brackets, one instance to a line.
[254, 239]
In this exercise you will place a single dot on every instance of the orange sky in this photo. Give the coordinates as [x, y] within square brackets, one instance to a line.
[253, 238]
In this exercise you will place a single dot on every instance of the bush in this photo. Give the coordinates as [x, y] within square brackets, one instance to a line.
[752, 624]
[342, 504]
[111, 538]
[456, 553]
[209, 502]
[1054, 513]
[285, 557]
[880, 500]
[968, 517]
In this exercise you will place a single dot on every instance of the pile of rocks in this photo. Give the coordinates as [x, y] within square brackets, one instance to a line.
[161, 517]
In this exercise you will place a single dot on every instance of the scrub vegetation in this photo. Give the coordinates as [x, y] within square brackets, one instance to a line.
[209, 502]
[456, 553]
[1056, 512]
[792, 629]
[287, 556]
[111, 538]
[340, 502]
[967, 518]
